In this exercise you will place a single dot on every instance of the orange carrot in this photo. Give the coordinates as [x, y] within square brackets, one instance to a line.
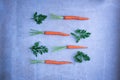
[57, 48]
[50, 62]
[75, 18]
[36, 32]
[55, 33]
[57, 62]
[68, 17]
[74, 47]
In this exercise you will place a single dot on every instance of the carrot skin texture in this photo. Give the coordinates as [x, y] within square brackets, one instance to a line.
[57, 62]
[55, 33]
[75, 47]
[75, 18]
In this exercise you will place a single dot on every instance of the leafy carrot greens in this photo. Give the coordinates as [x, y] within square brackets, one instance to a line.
[38, 18]
[37, 49]
[80, 34]
[80, 56]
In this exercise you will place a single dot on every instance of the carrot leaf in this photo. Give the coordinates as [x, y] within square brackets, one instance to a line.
[37, 49]
[80, 56]
[38, 18]
[86, 57]
[80, 34]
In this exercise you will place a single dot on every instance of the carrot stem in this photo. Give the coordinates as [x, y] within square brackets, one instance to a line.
[58, 48]
[35, 32]
[56, 17]
[37, 61]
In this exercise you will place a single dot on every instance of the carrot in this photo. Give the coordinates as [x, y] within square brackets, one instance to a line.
[57, 48]
[74, 18]
[74, 47]
[36, 32]
[57, 62]
[55, 33]
[50, 62]
[68, 17]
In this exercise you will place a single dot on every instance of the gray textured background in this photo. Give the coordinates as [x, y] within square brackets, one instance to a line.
[104, 43]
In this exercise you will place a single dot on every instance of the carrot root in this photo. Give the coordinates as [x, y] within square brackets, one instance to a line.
[55, 33]
[75, 18]
[75, 47]
[57, 62]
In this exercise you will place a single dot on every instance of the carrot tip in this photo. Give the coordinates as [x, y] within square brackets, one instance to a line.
[65, 34]
[70, 62]
[85, 47]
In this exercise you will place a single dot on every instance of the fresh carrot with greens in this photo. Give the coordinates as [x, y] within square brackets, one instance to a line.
[69, 17]
[68, 47]
[50, 62]
[36, 32]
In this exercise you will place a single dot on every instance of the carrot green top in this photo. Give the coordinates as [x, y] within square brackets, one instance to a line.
[56, 17]
[58, 48]
[35, 32]
[37, 61]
